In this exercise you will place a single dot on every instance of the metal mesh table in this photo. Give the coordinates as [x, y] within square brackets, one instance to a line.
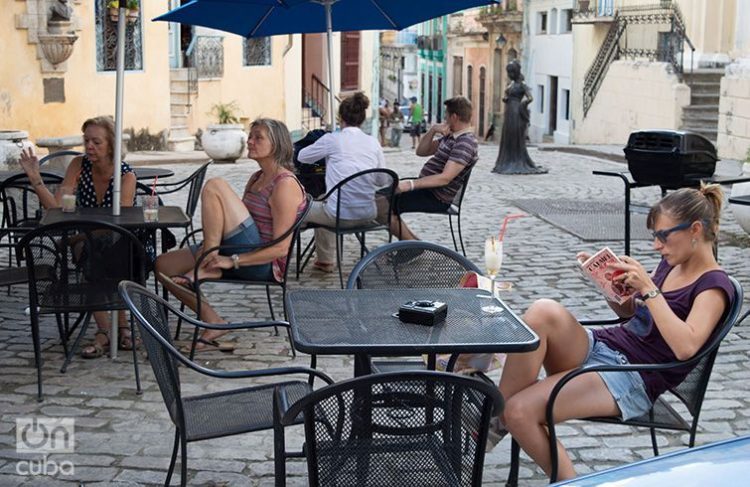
[361, 322]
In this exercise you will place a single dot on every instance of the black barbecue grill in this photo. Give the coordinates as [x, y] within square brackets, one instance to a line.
[670, 158]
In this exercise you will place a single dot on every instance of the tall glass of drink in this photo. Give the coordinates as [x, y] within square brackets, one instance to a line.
[493, 260]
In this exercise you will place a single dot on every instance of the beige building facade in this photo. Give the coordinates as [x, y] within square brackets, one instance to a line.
[50, 97]
[664, 67]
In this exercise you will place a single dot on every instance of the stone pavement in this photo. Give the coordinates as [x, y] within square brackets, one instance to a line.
[125, 439]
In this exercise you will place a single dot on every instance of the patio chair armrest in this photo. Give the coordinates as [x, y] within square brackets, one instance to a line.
[189, 236]
[604, 322]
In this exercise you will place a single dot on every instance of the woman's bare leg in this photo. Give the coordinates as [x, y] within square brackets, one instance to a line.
[563, 345]
[524, 415]
[222, 211]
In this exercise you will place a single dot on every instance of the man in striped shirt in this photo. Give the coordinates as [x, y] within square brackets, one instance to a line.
[453, 156]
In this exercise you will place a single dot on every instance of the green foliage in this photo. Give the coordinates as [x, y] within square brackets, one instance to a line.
[747, 157]
[226, 112]
[132, 4]
[113, 4]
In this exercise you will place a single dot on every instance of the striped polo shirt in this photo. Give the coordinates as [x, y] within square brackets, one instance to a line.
[461, 147]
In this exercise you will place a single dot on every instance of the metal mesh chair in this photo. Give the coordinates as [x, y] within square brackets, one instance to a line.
[690, 392]
[217, 414]
[21, 208]
[71, 270]
[356, 186]
[454, 210]
[409, 264]
[293, 231]
[403, 429]
[194, 183]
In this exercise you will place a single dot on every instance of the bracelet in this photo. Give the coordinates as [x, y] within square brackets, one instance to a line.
[411, 185]
[39, 183]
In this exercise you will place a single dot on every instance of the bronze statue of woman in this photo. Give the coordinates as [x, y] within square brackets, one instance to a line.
[513, 157]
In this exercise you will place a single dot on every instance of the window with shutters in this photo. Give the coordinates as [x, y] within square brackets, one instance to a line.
[350, 60]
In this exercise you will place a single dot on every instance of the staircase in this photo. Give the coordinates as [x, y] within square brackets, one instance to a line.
[702, 115]
[180, 104]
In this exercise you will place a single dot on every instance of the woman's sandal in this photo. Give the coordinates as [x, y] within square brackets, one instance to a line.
[96, 349]
[125, 339]
[205, 345]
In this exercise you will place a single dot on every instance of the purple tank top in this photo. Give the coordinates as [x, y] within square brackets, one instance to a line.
[641, 342]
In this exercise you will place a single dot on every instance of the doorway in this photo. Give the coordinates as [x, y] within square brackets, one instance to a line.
[552, 125]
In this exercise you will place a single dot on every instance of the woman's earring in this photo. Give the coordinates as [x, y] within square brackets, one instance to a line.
[694, 242]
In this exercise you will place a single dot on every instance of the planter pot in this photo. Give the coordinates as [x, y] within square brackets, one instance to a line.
[132, 16]
[583, 5]
[114, 14]
[742, 212]
[12, 142]
[224, 143]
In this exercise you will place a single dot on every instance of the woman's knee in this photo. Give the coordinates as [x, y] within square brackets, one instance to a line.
[543, 313]
[518, 414]
[216, 186]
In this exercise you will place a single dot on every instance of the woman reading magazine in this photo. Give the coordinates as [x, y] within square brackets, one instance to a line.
[671, 315]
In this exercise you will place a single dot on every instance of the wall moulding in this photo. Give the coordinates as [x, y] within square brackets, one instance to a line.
[54, 35]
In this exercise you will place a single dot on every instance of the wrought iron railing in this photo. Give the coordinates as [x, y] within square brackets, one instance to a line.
[207, 56]
[609, 52]
[316, 99]
[631, 35]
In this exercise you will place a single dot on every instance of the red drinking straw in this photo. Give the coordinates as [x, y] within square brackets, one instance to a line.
[505, 224]
[153, 186]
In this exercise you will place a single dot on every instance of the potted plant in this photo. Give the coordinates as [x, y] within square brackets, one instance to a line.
[583, 5]
[224, 141]
[133, 7]
[113, 10]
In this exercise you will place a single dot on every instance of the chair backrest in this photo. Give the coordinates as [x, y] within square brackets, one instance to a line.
[363, 185]
[81, 264]
[693, 388]
[194, 183]
[21, 206]
[459, 198]
[151, 313]
[410, 264]
[410, 428]
[63, 153]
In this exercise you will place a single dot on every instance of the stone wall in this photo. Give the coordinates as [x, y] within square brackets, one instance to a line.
[734, 112]
[635, 95]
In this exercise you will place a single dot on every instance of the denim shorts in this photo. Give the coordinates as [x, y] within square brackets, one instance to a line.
[246, 234]
[627, 388]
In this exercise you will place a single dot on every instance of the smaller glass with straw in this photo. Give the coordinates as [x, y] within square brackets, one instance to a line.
[150, 205]
[493, 260]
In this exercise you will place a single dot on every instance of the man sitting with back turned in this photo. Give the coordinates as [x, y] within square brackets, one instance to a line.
[443, 175]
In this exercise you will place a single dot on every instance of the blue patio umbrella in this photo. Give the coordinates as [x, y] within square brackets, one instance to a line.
[259, 18]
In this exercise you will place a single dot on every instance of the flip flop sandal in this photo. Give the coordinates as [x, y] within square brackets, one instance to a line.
[209, 345]
[96, 349]
[125, 340]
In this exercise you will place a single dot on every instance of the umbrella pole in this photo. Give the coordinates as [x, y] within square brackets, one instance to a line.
[114, 339]
[329, 38]
[118, 108]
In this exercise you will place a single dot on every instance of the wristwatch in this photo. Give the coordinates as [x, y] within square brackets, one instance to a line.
[235, 261]
[651, 294]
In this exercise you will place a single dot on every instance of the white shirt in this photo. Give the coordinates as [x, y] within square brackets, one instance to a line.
[347, 152]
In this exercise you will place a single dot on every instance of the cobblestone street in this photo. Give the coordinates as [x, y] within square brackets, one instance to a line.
[125, 439]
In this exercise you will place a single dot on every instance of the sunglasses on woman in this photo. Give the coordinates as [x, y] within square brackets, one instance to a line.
[661, 235]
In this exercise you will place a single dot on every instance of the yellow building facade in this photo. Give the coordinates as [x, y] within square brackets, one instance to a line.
[52, 100]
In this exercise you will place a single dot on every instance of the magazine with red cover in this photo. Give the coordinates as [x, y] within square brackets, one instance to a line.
[599, 271]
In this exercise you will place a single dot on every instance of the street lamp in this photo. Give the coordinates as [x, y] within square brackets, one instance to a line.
[501, 41]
